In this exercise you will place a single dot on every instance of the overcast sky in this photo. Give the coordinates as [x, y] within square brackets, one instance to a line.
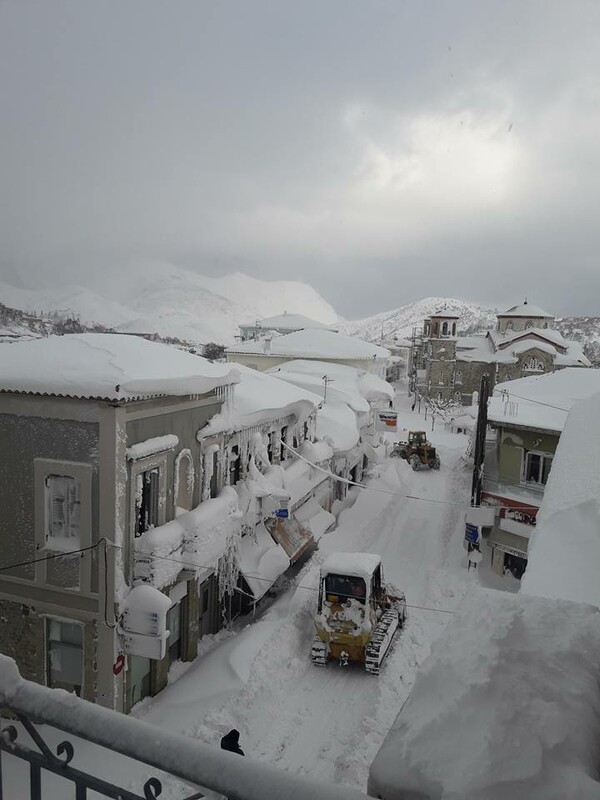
[381, 151]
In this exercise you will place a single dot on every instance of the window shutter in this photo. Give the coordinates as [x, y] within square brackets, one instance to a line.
[57, 505]
[74, 508]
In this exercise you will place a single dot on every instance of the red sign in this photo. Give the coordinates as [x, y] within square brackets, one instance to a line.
[119, 664]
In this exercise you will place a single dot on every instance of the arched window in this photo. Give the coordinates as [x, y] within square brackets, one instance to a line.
[184, 482]
[444, 329]
[533, 364]
[454, 329]
[457, 397]
[458, 377]
[509, 325]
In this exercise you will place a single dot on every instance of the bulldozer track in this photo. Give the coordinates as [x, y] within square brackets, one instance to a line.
[381, 640]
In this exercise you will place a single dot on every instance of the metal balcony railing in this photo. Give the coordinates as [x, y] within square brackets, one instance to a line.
[196, 764]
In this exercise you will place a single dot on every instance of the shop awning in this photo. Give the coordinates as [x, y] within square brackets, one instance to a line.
[314, 517]
[294, 538]
[261, 560]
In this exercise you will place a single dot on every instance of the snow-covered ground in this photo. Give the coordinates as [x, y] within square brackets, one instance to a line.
[327, 722]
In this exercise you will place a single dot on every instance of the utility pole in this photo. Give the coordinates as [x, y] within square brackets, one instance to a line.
[476, 485]
[326, 380]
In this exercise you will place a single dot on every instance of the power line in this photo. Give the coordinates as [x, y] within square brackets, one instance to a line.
[50, 557]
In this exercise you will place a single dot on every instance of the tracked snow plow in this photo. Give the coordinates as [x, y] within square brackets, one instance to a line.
[418, 451]
[358, 615]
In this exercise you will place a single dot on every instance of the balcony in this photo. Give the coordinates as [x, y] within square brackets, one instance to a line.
[122, 757]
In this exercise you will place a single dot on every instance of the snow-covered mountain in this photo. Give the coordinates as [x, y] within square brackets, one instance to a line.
[401, 321]
[173, 302]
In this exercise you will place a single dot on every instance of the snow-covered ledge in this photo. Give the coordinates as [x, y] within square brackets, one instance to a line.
[149, 447]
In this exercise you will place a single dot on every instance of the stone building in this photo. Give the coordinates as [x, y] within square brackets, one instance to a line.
[99, 455]
[447, 367]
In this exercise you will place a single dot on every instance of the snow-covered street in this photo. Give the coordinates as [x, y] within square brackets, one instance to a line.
[330, 722]
[258, 677]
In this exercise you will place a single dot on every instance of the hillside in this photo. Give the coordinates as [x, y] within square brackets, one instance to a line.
[173, 302]
[401, 321]
[472, 319]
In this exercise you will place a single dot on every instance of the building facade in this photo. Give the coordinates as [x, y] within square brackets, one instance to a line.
[447, 367]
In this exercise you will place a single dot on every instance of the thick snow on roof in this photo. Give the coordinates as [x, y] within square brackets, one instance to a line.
[565, 548]
[111, 366]
[323, 344]
[260, 397]
[542, 401]
[338, 425]
[348, 384]
[261, 560]
[197, 538]
[360, 564]
[506, 705]
[292, 321]
[527, 310]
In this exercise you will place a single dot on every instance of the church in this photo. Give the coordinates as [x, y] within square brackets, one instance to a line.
[448, 367]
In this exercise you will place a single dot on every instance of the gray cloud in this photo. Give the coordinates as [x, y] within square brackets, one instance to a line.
[381, 151]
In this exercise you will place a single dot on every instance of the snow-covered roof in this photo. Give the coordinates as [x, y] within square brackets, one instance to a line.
[503, 339]
[349, 384]
[565, 549]
[349, 391]
[293, 322]
[107, 366]
[527, 310]
[260, 397]
[494, 347]
[361, 565]
[324, 344]
[506, 705]
[542, 401]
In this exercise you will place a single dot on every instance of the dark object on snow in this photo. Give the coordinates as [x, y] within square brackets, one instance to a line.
[231, 742]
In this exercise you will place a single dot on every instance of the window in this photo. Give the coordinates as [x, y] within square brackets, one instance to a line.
[63, 505]
[174, 628]
[537, 468]
[340, 588]
[270, 437]
[184, 482]
[529, 324]
[282, 450]
[533, 364]
[214, 475]
[147, 496]
[458, 377]
[65, 655]
[454, 329]
[235, 466]
[509, 325]
[444, 329]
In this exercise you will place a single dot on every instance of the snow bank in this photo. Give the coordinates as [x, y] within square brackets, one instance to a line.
[110, 366]
[507, 705]
[565, 549]
[197, 538]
